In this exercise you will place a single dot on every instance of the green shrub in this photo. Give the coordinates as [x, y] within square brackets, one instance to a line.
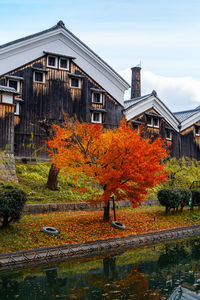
[169, 198]
[185, 195]
[12, 201]
[173, 198]
[180, 173]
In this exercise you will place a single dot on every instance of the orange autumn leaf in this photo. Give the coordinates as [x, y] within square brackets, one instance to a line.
[122, 162]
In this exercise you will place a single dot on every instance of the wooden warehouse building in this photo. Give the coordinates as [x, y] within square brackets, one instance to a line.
[50, 73]
[181, 130]
[47, 74]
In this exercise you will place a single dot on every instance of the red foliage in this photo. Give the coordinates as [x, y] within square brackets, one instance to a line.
[120, 160]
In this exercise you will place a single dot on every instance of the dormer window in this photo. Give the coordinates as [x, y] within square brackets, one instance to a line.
[52, 61]
[97, 97]
[14, 84]
[14, 81]
[152, 121]
[39, 77]
[96, 117]
[75, 82]
[63, 63]
[58, 60]
[168, 134]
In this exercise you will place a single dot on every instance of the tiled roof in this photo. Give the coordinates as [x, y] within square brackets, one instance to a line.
[128, 103]
[183, 115]
[60, 24]
[8, 89]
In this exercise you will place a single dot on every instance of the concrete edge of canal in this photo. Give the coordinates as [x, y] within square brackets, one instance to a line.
[49, 255]
[76, 206]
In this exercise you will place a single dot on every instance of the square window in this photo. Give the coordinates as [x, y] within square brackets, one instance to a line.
[75, 82]
[168, 134]
[39, 77]
[64, 63]
[97, 97]
[51, 61]
[96, 117]
[14, 84]
[149, 121]
[155, 122]
[152, 121]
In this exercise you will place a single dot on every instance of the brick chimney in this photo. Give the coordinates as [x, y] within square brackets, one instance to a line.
[135, 83]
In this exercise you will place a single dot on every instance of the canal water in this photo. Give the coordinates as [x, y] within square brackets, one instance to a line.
[167, 271]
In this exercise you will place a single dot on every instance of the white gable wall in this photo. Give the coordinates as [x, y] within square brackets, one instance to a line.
[60, 41]
[190, 121]
[151, 102]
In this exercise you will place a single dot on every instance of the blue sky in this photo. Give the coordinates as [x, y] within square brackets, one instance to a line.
[164, 35]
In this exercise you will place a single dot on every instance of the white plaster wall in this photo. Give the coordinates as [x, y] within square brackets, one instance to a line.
[19, 54]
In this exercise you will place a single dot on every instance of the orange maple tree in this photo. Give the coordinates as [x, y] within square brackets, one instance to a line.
[120, 160]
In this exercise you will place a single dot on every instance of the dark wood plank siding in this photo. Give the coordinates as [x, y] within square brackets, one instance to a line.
[113, 113]
[190, 143]
[6, 127]
[53, 98]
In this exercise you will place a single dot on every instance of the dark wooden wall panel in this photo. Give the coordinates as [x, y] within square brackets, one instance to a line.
[53, 98]
[7, 127]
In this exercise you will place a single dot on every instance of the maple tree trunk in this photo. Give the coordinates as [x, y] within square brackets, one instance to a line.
[6, 221]
[52, 182]
[106, 216]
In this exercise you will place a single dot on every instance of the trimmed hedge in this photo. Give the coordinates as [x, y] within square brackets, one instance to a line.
[12, 202]
[173, 198]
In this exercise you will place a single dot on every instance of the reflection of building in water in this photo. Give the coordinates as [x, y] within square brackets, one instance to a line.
[181, 293]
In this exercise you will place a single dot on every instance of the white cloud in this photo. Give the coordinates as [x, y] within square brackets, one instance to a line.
[178, 93]
[142, 39]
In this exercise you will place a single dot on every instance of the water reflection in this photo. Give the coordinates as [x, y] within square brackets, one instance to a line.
[168, 271]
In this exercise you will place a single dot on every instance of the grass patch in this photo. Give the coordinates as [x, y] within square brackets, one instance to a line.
[32, 180]
[78, 227]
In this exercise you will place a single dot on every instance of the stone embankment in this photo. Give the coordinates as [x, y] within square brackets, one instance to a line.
[47, 255]
[52, 207]
[7, 167]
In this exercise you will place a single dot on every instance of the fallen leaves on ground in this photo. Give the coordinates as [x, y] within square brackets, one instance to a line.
[78, 227]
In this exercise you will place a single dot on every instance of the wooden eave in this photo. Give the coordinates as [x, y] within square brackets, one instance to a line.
[59, 55]
[14, 77]
[40, 69]
[97, 90]
[76, 75]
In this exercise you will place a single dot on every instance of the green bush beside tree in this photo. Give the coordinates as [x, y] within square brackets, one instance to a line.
[12, 201]
[180, 172]
[174, 198]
